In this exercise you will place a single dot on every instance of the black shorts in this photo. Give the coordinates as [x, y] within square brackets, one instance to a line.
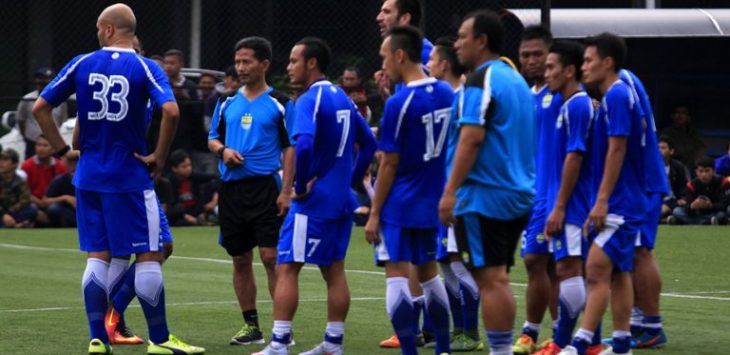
[487, 242]
[248, 214]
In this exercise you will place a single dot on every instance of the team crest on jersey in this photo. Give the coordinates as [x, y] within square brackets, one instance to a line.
[547, 100]
[540, 238]
[559, 122]
[246, 121]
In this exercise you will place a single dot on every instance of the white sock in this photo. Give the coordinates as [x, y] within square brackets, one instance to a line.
[636, 316]
[148, 281]
[585, 335]
[117, 268]
[573, 295]
[396, 291]
[465, 278]
[531, 326]
[96, 271]
[334, 333]
[450, 280]
[282, 329]
[435, 291]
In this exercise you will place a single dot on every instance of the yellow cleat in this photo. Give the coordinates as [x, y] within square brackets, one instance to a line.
[173, 346]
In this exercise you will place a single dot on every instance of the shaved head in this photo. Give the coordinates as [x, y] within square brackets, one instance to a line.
[121, 17]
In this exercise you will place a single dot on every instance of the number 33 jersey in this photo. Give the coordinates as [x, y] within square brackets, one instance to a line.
[415, 125]
[113, 87]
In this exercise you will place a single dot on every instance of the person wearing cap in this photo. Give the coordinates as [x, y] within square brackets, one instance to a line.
[60, 198]
[15, 207]
[26, 122]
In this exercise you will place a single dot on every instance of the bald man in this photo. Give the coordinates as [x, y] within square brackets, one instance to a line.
[118, 212]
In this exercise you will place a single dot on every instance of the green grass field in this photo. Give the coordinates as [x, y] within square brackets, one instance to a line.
[41, 311]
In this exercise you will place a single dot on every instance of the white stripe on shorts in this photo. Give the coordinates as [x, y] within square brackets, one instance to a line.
[381, 251]
[299, 239]
[574, 237]
[451, 246]
[153, 219]
[613, 222]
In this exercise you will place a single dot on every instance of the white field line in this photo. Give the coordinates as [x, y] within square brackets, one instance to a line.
[685, 295]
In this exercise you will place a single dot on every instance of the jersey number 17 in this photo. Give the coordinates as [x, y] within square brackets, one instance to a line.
[438, 117]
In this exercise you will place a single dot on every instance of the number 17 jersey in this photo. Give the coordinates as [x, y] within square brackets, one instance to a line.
[415, 124]
[113, 87]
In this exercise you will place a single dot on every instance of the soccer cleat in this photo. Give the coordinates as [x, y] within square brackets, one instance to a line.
[111, 320]
[594, 349]
[269, 350]
[609, 342]
[173, 346]
[462, 342]
[609, 351]
[322, 349]
[550, 349]
[97, 347]
[125, 336]
[390, 343]
[646, 341]
[568, 350]
[248, 335]
[524, 345]
[426, 340]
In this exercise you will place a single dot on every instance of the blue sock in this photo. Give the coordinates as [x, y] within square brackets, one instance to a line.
[281, 334]
[94, 289]
[334, 333]
[401, 311]
[582, 340]
[151, 294]
[418, 303]
[597, 335]
[621, 341]
[652, 325]
[124, 291]
[532, 330]
[636, 326]
[500, 342]
[452, 291]
[571, 301]
[437, 309]
[469, 297]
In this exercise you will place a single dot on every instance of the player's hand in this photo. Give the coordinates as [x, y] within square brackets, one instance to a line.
[372, 229]
[681, 202]
[597, 218]
[310, 184]
[73, 154]
[153, 165]
[283, 202]
[554, 222]
[8, 220]
[382, 81]
[446, 209]
[232, 158]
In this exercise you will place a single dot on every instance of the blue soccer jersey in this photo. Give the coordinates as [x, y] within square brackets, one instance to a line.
[547, 108]
[254, 128]
[328, 115]
[501, 184]
[112, 86]
[656, 178]
[415, 124]
[619, 117]
[571, 134]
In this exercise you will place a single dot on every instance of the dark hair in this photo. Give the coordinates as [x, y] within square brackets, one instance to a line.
[486, 22]
[231, 71]
[177, 53]
[705, 162]
[318, 49]
[157, 57]
[261, 47]
[355, 70]
[537, 32]
[412, 7]
[178, 157]
[445, 47]
[42, 136]
[407, 39]
[570, 53]
[609, 45]
[667, 140]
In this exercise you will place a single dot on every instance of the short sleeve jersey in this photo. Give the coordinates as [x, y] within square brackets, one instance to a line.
[254, 128]
[112, 86]
[415, 124]
[328, 115]
[547, 108]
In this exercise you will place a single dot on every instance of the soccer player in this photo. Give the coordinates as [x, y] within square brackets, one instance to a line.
[460, 285]
[317, 229]
[410, 182]
[569, 185]
[118, 213]
[492, 157]
[249, 134]
[619, 205]
[541, 289]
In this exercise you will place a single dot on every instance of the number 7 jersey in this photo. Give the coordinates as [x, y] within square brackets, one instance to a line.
[113, 87]
[415, 125]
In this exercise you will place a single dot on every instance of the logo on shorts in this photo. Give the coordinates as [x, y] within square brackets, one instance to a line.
[540, 238]
[134, 245]
[558, 244]
[465, 257]
[285, 252]
[246, 120]
[445, 241]
[547, 100]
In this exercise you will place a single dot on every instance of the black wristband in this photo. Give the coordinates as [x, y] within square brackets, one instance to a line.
[221, 150]
[61, 152]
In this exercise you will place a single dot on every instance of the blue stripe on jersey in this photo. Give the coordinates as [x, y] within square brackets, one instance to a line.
[571, 133]
[415, 123]
[547, 108]
[113, 87]
[501, 183]
[251, 127]
[619, 117]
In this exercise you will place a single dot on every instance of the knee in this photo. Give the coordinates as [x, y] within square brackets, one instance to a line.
[55, 209]
[569, 267]
[269, 261]
[679, 211]
[243, 262]
[535, 264]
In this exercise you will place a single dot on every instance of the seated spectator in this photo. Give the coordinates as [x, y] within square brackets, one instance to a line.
[192, 201]
[15, 207]
[41, 169]
[61, 196]
[722, 164]
[27, 124]
[677, 173]
[688, 143]
[705, 201]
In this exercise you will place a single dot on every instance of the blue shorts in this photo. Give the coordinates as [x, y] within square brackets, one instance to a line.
[650, 224]
[617, 240]
[533, 239]
[446, 243]
[401, 244]
[569, 242]
[123, 223]
[165, 235]
[306, 239]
